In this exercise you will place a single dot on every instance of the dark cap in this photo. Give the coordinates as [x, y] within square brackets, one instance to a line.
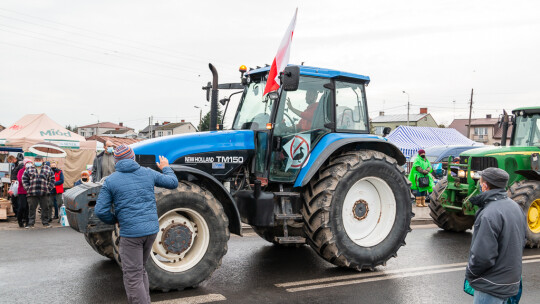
[495, 176]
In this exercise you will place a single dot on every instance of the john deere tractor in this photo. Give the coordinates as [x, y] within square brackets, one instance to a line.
[298, 165]
[450, 206]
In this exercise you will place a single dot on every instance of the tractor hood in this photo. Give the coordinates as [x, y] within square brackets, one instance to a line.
[492, 151]
[176, 146]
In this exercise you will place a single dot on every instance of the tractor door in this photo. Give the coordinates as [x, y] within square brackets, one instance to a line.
[303, 117]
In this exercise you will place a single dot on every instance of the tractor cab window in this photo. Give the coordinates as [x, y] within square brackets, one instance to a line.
[527, 131]
[299, 125]
[255, 109]
[350, 107]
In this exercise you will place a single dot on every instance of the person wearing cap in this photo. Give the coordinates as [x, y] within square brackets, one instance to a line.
[85, 178]
[38, 180]
[127, 198]
[495, 258]
[421, 169]
[104, 164]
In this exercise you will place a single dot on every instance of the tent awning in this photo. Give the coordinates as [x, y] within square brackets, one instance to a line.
[411, 139]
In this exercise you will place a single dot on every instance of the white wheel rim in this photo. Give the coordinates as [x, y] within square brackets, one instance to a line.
[194, 250]
[369, 226]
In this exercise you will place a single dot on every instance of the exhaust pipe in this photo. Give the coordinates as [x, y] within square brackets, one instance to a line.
[214, 102]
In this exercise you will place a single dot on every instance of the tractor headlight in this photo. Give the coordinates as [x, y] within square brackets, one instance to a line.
[475, 175]
[461, 174]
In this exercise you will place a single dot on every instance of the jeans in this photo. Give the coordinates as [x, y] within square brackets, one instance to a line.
[15, 204]
[33, 202]
[134, 253]
[22, 213]
[57, 203]
[486, 298]
[51, 206]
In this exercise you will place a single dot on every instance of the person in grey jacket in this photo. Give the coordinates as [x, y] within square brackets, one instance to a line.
[104, 164]
[495, 259]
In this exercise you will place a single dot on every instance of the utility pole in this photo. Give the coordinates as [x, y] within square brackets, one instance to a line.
[470, 113]
[150, 123]
[408, 107]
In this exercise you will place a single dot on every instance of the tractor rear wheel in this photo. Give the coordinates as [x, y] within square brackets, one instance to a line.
[447, 220]
[192, 239]
[101, 242]
[527, 195]
[357, 209]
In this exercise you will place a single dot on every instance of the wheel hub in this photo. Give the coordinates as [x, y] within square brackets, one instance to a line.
[360, 209]
[533, 216]
[177, 238]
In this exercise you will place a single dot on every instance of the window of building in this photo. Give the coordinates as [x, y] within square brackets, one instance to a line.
[160, 133]
[379, 130]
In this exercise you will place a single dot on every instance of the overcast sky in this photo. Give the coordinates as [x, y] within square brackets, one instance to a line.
[127, 60]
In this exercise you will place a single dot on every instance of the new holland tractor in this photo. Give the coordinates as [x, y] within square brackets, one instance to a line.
[298, 165]
[450, 206]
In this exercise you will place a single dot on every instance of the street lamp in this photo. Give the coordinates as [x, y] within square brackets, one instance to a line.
[97, 129]
[408, 107]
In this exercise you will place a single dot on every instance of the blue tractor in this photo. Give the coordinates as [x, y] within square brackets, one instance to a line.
[299, 165]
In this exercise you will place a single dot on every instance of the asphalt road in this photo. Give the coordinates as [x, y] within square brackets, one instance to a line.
[57, 266]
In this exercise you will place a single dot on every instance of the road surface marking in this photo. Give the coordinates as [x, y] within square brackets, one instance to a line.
[382, 278]
[383, 275]
[195, 300]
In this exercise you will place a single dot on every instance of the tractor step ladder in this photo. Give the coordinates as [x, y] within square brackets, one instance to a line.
[285, 214]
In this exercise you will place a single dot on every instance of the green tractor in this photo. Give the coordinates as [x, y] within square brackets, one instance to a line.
[450, 204]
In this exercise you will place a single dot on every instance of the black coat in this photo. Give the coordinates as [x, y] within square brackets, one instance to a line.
[495, 258]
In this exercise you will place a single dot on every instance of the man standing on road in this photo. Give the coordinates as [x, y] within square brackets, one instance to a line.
[127, 198]
[495, 260]
[38, 180]
[103, 163]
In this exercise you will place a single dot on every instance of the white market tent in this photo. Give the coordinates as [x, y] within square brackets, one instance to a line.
[36, 129]
[411, 139]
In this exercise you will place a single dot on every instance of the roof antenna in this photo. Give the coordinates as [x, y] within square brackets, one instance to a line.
[302, 63]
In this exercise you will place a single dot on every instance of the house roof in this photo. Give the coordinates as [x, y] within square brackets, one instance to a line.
[117, 141]
[121, 131]
[106, 125]
[498, 133]
[398, 118]
[460, 125]
[171, 126]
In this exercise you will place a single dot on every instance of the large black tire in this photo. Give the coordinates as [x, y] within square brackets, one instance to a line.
[101, 242]
[198, 200]
[527, 193]
[447, 220]
[323, 208]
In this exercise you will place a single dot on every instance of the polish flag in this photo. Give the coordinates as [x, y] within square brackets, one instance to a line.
[282, 58]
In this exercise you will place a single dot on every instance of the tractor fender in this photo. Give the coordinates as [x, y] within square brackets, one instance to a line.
[211, 184]
[333, 142]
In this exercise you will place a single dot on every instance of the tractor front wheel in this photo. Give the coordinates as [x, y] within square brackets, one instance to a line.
[357, 209]
[447, 220]
[527, 195]
[192, 239]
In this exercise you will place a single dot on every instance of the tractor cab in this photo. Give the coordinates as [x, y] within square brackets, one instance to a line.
[526, 127]
[289, 123]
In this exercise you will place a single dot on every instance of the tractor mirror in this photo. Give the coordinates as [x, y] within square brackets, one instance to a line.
[386, 131]
[290, 78]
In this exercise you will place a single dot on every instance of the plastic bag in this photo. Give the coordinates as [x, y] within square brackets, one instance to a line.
[63, 217]
[14, 188]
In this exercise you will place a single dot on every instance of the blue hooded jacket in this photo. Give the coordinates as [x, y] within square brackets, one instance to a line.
[130, 191]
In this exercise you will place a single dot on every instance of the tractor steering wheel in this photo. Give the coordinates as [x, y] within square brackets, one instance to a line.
[291, 120]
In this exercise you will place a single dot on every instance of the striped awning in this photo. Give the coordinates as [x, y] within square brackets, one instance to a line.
[411, 139]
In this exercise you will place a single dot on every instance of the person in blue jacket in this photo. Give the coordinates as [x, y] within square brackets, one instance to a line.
[127, 198]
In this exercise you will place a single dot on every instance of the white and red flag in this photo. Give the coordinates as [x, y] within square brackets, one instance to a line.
[282, 58]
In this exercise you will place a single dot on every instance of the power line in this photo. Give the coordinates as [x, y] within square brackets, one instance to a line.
[171, 53]
[97, 62]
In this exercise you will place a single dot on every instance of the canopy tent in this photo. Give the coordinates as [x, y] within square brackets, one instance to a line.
[411, 139]
[36, 128]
